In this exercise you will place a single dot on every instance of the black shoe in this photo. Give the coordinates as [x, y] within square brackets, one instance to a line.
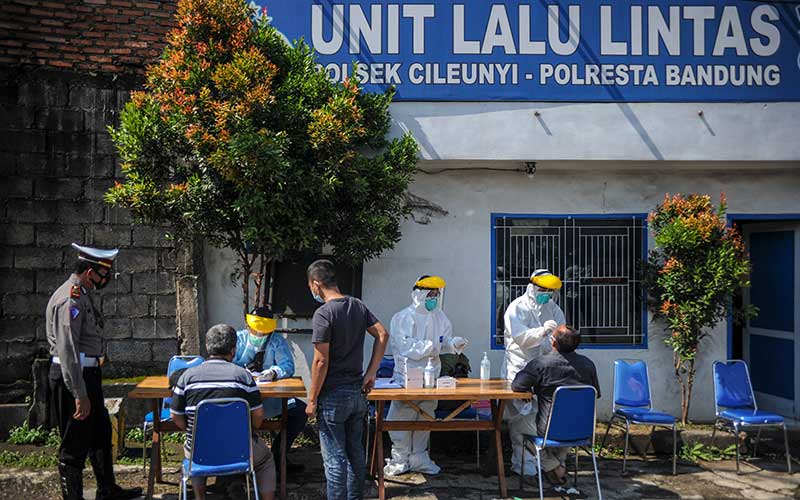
[71, 482]
[103, 468]
[107, 487]
[117, 492]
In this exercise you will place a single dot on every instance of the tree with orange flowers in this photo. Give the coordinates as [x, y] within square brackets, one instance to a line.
[239, 139]
[698, 264]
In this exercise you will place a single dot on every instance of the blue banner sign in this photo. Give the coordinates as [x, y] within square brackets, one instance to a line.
[569, 50]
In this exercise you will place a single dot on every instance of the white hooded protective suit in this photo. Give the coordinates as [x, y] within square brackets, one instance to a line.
[417, 335]
[528, 326]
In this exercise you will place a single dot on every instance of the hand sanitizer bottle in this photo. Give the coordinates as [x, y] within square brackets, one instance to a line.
[486, 368]
[429, 379]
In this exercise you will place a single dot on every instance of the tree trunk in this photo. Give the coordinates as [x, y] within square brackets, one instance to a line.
[678, 365]
[685, 375]
[265, 280]
[689, 384]
[247, 268]
[258, 278]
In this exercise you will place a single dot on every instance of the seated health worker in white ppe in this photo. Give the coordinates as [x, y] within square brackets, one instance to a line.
[529, 321]
[418, 333]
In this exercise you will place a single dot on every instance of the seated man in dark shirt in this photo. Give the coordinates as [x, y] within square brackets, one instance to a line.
[217, 378]
[547, 373]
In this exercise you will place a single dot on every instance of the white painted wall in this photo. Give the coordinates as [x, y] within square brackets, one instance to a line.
[602, 131]
[457, 246]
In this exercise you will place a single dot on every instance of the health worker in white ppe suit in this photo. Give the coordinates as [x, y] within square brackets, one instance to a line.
[418, 333]
[529, 321]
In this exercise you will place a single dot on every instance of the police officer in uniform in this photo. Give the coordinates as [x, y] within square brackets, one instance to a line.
[74, 327]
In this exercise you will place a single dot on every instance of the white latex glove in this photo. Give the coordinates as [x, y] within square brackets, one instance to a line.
[267, 375]
[459, 343]
[549, 326]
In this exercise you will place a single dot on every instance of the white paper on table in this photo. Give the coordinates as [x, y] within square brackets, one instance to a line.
[386, 383]
[258, 377]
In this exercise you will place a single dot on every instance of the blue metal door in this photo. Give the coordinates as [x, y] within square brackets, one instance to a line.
[771, 339]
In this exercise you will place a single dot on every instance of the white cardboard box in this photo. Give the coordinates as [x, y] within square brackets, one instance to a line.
[413, 378]
[446, 383]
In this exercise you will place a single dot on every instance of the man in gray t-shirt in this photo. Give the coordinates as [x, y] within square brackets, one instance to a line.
[337, 396]
[342, 322]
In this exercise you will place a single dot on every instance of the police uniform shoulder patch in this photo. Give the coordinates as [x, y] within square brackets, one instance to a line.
[75, 292]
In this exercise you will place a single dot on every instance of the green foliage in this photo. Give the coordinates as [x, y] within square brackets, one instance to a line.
[175, 437]
[53, 439]
[304, 441]
[124, 380]
[130, 460]
[695, 451]
[135, 435]
[24, 434]
[697, 266]
[240, 140]
[609, 451]
[38, 459]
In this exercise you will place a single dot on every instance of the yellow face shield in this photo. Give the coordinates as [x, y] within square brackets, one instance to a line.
[431, 282]
[261, 325]
[549, 281]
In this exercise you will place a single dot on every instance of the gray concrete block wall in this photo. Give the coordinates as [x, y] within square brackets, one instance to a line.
[56, 161]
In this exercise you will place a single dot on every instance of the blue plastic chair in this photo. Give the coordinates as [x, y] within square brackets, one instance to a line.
[175, 363]
[633, 405]
[570, 425]
[214, 453]
[386, 368]
[735, 405]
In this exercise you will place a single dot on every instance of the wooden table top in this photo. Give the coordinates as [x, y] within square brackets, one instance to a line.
[158, 387]
[155, 387]
[466, 388]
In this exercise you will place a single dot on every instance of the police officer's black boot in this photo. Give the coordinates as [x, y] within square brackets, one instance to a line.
[107, 487]
[71, 482]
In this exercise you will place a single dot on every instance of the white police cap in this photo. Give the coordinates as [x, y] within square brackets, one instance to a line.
[104, 258]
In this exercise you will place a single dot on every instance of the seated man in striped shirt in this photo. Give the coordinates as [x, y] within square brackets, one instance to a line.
[216, 378]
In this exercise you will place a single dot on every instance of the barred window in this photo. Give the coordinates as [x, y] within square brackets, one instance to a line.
[599, 260]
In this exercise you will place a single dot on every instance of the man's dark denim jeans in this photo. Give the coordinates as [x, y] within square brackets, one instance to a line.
[340, 416]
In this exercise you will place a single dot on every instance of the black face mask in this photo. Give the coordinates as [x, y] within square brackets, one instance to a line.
[104, 280]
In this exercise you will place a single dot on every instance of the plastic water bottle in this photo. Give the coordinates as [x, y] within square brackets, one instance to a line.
[486, 368]
[429, 378]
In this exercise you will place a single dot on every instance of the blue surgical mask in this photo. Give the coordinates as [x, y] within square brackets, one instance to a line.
[431, 303]
[543, 298]
[258, 342]
[317, 297]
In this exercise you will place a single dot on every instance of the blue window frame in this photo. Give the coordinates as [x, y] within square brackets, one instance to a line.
[599, 260]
